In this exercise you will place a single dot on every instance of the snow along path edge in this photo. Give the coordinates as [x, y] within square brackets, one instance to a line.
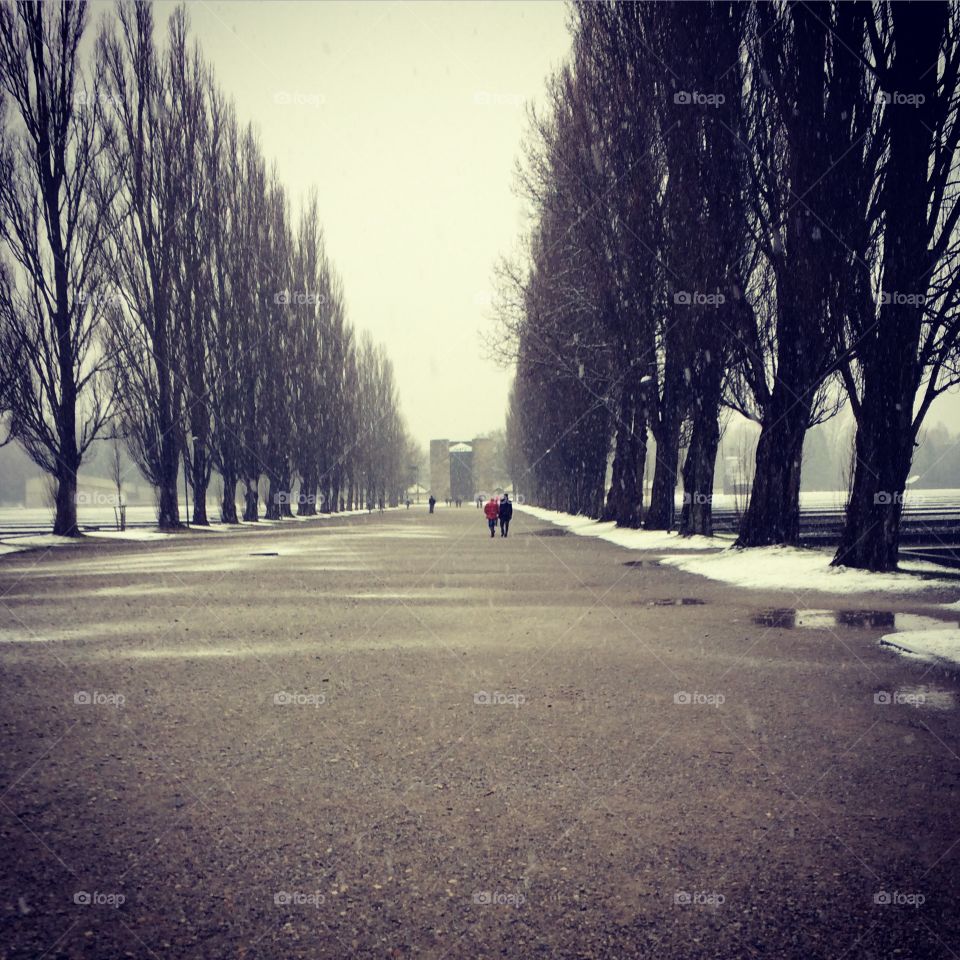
[790, 568]
[623, 536]
[759, 568]
[933, 646]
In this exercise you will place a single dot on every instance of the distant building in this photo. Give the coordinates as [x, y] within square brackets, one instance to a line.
[461, 469]
[483, 465]
[440, 469]
[461, 472]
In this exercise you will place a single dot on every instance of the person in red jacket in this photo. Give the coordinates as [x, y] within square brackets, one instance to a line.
[492, 512]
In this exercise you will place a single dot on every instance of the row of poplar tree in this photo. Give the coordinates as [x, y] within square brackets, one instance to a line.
[747, 206]
[156, 285]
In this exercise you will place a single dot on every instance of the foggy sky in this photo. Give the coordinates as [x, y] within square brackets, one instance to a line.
[408, 118]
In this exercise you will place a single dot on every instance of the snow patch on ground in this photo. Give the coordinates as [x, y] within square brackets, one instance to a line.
[795, 568]
[136, 534]
[623, 537]
[41, 540]
[931, 645]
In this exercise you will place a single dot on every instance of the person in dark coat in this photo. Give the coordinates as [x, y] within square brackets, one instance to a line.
[432, 501]
[506, 514]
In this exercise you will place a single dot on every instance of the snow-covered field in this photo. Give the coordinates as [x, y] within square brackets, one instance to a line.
[14, 518]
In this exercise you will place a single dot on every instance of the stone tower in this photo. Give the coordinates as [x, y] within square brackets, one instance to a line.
[483, 478]
[440, 469]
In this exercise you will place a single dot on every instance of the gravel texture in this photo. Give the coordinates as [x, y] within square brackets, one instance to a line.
[396, 737]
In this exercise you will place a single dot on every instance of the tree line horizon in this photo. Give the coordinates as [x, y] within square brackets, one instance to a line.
[157, 287]
[748, 207]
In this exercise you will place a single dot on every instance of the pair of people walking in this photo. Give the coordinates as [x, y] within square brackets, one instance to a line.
[498, 510]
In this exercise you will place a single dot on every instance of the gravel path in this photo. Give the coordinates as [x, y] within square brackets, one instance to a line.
[390, 736]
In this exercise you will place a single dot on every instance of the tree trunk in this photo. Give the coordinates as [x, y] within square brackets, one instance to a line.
[65, 522]
[307, 496]
[67, 456]
[286, 495]
[199, 418]
[598, 489]
[884, 445]
[662, 510]
[625, 497]
[251, 500]
[168, 505]
[773, 514]
[168, 454]
[228, 503]
[335, 500]
[199, 481]
[891, 372]
[274, 494]
[698, 469]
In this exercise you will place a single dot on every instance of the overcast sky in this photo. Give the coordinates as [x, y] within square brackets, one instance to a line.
[408, 118]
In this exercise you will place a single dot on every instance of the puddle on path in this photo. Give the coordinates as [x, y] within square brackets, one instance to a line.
[894, 624]
[550, 532]
[788, 618]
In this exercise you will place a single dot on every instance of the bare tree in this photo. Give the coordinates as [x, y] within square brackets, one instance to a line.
[904, 312]
[250, 252]
[52, 185]
[228, 343]
[612, 63]
[310, 304]
[340, 436]
[146, 226]
[189, 86]
[277, 372]
[721, 263]
[803, 133]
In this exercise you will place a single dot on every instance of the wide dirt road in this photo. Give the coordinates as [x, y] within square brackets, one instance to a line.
[390, 736]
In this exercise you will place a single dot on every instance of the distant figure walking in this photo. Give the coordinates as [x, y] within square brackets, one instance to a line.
[492, 512]
[506, 514]
[432, 501]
